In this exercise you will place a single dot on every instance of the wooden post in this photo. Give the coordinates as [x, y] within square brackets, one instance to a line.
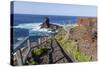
[45, 38]
[19, 57]
[27, 51]
[39, 40]
[28, 44]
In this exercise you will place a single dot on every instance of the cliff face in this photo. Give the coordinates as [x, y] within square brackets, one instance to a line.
[86, 21]
[86, 36]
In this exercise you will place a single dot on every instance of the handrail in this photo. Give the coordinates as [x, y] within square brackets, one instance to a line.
[18, 45]
[21, 60]
[39, 44]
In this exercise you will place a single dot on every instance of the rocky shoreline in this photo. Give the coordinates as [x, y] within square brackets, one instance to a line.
[46, 24]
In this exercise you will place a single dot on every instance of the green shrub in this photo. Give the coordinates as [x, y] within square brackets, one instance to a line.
[37, 52]
[83, 57]
[33, 62]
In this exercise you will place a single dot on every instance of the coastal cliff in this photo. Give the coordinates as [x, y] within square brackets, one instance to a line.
[85, 35]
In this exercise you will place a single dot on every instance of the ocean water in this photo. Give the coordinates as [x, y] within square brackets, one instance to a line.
[29, 25]
[28, 18]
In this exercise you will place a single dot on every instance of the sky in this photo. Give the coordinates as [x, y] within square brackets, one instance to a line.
[22, 7]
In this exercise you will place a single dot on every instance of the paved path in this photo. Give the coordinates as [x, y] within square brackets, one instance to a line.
[55, 54]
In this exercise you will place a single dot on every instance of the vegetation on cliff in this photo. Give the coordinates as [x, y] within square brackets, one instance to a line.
[71, 47]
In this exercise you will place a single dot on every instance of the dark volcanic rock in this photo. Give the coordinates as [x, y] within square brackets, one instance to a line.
[45, 23]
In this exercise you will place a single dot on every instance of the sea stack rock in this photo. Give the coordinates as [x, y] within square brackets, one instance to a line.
[45, 23]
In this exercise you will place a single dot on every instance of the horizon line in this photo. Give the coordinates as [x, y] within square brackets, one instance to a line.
[56, 15]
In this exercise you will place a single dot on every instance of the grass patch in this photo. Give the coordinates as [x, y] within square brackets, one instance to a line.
[37, 51]
[31, 61]
[78, 56]
[36, 54]
[51, 37]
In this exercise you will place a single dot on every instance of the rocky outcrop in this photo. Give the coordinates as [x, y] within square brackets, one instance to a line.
[45, 23]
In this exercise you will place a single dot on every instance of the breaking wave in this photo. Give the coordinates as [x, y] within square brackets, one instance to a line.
[33, 27]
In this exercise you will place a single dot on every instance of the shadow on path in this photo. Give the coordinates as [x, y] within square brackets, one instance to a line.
[50, 53]
[65, 55]
[54, 43]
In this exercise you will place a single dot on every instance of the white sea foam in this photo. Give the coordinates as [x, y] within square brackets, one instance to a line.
[58, 24]
[28, 26]
[34, 27]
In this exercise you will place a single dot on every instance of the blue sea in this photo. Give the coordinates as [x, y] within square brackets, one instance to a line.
[26, 24]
